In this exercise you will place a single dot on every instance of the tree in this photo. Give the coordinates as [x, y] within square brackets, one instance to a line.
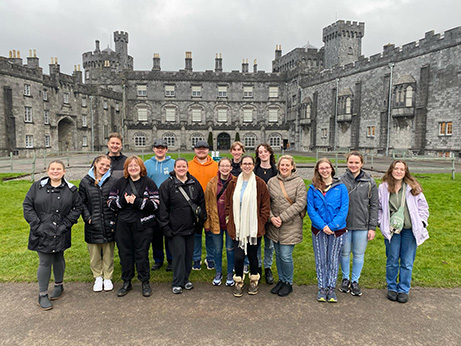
[237, 137]
[210, 140]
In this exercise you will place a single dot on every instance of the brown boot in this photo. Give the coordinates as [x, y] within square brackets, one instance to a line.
[238, 288]
[254, 284]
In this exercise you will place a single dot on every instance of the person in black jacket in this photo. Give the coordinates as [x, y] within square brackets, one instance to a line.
[99, 222]
[135, 199]
[52, 205]
[179, 222]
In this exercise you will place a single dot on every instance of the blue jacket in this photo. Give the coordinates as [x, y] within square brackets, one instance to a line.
[159, 171]
[330, 209]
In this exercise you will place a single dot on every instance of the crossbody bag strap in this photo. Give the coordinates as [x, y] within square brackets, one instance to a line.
[402, 204]
[186, 197]
[133, 188]
[282, 186]
[222, 190]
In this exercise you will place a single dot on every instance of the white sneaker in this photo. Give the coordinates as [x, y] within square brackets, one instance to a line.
[97, 287]
[108, 286]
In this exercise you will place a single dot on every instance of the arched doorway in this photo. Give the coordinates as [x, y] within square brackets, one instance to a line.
[223, 141]
[65, 138]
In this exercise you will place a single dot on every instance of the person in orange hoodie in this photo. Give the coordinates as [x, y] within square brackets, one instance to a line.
[203, 168]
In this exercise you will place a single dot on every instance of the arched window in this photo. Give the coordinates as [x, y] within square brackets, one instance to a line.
[222, 114]
[139, 139]
[170, 139]
[308, 111]
[195, 138]
[409, 97]
[275, 140]
[249, 140]
[348, 105]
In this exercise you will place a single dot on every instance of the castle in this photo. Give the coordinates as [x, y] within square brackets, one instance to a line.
[329, 98]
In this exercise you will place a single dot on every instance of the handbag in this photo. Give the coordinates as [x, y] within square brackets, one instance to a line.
[282, 186]
[196, 209]
[397, 219]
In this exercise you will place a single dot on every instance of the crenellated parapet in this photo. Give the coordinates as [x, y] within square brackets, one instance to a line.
[343, 29]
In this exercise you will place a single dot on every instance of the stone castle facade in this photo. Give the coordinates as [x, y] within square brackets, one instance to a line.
[405, 98]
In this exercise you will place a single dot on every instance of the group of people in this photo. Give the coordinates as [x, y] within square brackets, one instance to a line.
[245, 199]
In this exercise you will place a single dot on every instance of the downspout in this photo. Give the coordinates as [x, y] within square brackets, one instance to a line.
[391, 66]
[336, 114]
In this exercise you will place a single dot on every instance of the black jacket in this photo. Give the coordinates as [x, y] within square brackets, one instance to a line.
[94, 199]
[51, 212]
[175, 214]
[143, 207]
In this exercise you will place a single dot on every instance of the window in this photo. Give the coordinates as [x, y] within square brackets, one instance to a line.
[28, 114]
[249, 140]
[84, 101]
[169, 91]
[371, 131]
[84, 121]
[409, 97]
[45, 95]
[307, 114]
[196, 91]
[104, 103]
[195, 138]
[247, 115]
[66, 98]
[169, 138]
[87, 74]
[248, 91]
[29, 141]
[142, 114]
[141, 90]
[348, 105]
[222, 91]
[26, 89]
[46, 117]
[196, 114]
[273, 91]
[293, 99]
[47, 141]
[84, 141]
[139, 140]
[324, 133]
[446, 128]
[222, 115]
[275, 141]
[117, 107]
[170, 114]
[273, 115]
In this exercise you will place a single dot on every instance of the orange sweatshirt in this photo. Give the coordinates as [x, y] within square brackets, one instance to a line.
[203, 172]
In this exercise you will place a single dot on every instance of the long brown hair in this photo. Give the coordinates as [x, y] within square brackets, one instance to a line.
[416, 188]
[317, 180]
[269, 149]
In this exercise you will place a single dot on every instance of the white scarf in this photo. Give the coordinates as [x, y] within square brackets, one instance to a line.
[246, 215]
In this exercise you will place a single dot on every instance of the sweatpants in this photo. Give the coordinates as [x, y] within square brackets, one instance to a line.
[327, 252]
[46, 261]
[239, 257]
[182, 250]
[157, 246]
[102, 259]
[133, 249]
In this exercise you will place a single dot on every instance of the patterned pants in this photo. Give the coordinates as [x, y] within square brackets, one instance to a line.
[327, 251]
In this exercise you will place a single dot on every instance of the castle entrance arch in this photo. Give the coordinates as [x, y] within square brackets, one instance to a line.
[66, 141]
[223, 141]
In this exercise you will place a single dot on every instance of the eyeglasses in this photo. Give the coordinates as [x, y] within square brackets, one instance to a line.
[225, 166]
[247, 164]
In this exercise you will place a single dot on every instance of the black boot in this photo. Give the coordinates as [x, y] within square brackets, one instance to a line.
[57, 292]
[125, 289]
[44, 302]
[146, 290]
[269, 276]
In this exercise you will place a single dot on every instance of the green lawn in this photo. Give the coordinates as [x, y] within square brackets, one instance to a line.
[438, 260]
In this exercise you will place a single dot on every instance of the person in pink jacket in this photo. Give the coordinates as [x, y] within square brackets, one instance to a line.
[401, 243]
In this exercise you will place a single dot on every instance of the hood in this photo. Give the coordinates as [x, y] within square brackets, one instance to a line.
[207, 163]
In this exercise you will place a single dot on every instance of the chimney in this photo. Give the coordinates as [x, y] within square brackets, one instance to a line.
[15, 58]
[32, 60]
[278, 51]
[77, 75]
[156, 66]
[218, 63]
[255, 66]
[245, 66]
[188, 61]
[97, 50]
[54, 67]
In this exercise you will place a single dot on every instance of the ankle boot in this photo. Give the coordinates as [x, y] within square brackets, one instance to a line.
[238, 288]
[254, 284]
[57, 292]
[44, 302]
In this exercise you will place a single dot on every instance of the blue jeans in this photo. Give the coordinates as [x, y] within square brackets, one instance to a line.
[401, 247]
[284, 261]
[218, 244]
[355, 241]
[327, 251]
[209, 247]
[268, 253]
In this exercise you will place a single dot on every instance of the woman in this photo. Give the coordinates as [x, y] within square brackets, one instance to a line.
[215, 196]
[52, 205]
[99, 222]
[180, 194]
[401, 242]
[135, 198]
[361, 222]
[327, 206]
[247, 211]
[288, 206]
[265, 168]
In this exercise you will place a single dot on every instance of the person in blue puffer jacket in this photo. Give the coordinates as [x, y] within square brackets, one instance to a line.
[327, 206]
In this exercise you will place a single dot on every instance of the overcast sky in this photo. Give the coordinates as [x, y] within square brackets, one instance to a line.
[238, 29]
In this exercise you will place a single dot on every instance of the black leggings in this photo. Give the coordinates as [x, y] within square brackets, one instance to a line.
[239, 257]
[48, 260]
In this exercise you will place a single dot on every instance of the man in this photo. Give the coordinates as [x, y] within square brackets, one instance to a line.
[158, 169]
[117, 158]
[203, 168]
[237, 150]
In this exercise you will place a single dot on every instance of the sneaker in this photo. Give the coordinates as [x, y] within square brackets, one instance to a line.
[97, 287]
[124, 289]
[322, 295]
[146, 290]
[44, 302]
[331, 296]
[402, 297]
[189, 285]
[230, 280]
[196, 265]
[392, 295]
[355, 289]
[277, 287]
[286, 289]
[269, 276]
[345, 286]
[217, 279]
[176, 290]
[108, 285]
[156, 266]
[169, 267]
[245, 269]
[210, 265]
[57, 292]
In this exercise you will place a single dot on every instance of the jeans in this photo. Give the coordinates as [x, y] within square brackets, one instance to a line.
[284, 261]
[218, 244]
[268, 253]
[355, 241]
[401, 247]
[327, 251]
[209, 247]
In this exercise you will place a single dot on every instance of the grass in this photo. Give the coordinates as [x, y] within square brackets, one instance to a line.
[438, 260]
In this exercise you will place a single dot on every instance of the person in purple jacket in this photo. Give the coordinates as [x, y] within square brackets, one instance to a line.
[399, 185]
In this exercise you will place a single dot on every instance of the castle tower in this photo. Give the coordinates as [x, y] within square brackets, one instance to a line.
[343, 43]
[121, 43]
